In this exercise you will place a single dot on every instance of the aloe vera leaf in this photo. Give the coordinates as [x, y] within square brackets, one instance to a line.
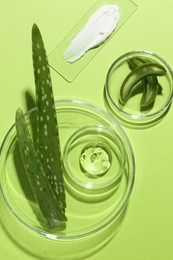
[151, 89]
[137, 89]
[142, 71]
[52, 213]
[150, 93]
[137, 61]
[48, 144]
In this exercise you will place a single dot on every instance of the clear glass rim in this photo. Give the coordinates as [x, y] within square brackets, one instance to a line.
[97, 129]
[138, 118]
[119, 209]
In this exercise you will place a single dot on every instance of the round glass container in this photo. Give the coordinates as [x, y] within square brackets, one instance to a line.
[134, 112]
[93, 211]
[94, 161]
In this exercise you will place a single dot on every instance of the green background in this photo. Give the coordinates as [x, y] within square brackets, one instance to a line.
[147, 230]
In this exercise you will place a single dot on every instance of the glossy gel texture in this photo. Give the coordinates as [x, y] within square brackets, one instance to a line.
[95, 161]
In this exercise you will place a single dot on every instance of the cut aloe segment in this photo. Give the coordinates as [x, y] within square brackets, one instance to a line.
[51, 211]
[48, 144]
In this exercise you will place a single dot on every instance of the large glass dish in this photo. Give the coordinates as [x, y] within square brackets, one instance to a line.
[95, 204]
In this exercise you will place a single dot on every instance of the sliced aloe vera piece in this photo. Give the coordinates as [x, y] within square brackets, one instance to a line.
[51, 211]
[150, 92]
[142, 71]
[137, 61]
[48, 144]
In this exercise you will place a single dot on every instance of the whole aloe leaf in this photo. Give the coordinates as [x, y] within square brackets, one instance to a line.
[48, 144]
[53, 214]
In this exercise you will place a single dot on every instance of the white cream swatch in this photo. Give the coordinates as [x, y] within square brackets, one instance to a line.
[98, 28]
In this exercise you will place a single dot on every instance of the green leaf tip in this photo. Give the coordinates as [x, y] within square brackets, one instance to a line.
[35, 30]
[19, 113]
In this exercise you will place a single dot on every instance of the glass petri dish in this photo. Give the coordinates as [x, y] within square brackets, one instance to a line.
[94, 161]
[93, 213]
[133, 113]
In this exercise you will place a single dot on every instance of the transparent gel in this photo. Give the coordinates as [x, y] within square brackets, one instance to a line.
[95, 161]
